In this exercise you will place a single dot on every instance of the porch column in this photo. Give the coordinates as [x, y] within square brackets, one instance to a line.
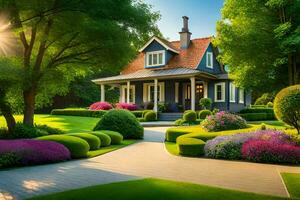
[155, 96]
[193, 93]
[128, 92]
[102, 92]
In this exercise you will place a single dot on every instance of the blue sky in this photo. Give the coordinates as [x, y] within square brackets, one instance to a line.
[203, 15]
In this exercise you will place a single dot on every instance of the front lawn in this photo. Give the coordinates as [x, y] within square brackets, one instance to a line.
[149, 189]
[292, 182]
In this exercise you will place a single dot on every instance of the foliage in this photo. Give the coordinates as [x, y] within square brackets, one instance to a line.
[223, 121]
[121, 121]
[145, 112]
[93, 141]
[264, 99]
[189, 116]
[190, 146]
[287, 106]
[104, 138]
[204, 113]
[256, 110]
[116, 138]
[258, 116]
[148, 105]
[77, 146]
[31, 152]
[137, 113]
[150, 116]
[270, 104]
[79, 112]
[264, 26]
[205, 103]
[162, 107]
[127, 106]
[100, 106]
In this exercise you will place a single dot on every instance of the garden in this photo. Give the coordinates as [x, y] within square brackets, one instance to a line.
[224, 135]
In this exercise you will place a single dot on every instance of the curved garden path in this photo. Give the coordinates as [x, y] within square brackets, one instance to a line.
[147, 158]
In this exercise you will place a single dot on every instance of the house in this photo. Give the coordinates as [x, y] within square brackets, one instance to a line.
[178, 73]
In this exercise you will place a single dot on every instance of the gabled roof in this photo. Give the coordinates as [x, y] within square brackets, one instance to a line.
[161, 41]
[186, 58]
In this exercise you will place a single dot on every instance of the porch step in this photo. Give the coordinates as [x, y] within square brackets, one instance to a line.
[169, 116]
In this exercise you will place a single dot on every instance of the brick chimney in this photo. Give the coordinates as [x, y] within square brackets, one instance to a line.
[185, 35]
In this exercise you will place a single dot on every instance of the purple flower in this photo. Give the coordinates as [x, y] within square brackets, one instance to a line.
[32, 152]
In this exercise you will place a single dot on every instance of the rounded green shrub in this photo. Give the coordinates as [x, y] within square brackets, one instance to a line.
[190, 146]
[77, 146]
[270, 104]
[104, 138]
[150, 116]
[145, 112]
[190, 116]
[205, 103]
[204, 113]
[116, 138]
[92, 140]
[121, 121]
[173, 133]
[287, 106]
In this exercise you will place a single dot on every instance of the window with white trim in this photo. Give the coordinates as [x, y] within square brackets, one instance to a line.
[155, 58]
[231, 92]
[241, 95]
[131, 93]
[220, 92]
[209, 60]
[149, 92]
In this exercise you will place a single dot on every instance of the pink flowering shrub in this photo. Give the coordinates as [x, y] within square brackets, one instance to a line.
[271, 151]
[101, 105]
[223, 121]
[127, 106]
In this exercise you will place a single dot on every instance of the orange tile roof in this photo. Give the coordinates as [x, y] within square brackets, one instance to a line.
[188, 58]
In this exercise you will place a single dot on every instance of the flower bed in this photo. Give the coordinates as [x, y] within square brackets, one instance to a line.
[101, 105]
[127, 106]
[31, 152]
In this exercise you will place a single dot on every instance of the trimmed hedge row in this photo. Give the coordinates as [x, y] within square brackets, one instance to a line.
[104, 138]
[258, 116]
[116, 138]
[79, 112]
[93, 141]
[256, 110]
[190, 146]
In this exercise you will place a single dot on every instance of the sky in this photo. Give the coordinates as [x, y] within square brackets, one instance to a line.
[203, 15]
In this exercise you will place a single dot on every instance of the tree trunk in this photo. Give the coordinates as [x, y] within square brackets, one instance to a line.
[7, 112]
[29, 102]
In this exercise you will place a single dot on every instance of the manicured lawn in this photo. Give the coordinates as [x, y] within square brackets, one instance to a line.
[292, 182]
[172, 148]
[154, 189]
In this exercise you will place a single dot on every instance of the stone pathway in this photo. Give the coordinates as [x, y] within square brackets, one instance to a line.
[147, 158]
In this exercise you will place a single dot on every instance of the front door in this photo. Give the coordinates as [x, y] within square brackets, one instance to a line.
[199, 93]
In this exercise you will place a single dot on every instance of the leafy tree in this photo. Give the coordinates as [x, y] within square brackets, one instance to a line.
[260, 40]
[63, 39]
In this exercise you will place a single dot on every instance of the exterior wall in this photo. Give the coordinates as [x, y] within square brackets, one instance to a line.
[155, 46]
[216, 66]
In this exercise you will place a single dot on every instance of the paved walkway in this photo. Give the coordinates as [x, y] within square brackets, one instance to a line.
[144, 159]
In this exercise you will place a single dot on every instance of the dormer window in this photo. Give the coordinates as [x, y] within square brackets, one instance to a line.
[209, 60]
[155, 58]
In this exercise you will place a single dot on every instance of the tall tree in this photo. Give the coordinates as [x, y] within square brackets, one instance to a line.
[257, 45]
[62, 39]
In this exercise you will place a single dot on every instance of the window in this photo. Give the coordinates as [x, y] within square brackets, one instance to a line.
[241, 95]
[149, 92]
[220, 92]
[155, 58]
[231, 92]
[209, 60]
[131, 94]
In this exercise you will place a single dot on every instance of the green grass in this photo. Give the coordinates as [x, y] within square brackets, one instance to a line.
[292, 182]
[154, 189]
[171, 147]
[110, 148]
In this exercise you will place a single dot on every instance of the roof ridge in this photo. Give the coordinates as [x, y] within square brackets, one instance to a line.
[202, 38]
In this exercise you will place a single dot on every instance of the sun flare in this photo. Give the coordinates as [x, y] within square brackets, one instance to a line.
[7, 38]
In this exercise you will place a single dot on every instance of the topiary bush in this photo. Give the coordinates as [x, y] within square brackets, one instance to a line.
[287, 106]
[101, 105]
[205, 103]
[145, 112]
[121, 121]
[270, 104]
[77, 146]
[116, 138]
[204, 113]
[31, 152]
[93, 141]
[190, 146]
[150, 116]
[223, 121]
[190, 116]
[173, 133]
[104, 138]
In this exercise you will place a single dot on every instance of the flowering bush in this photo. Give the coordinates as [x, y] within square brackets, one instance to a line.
[101, 105]
[223, 121]
[32, 152]
[230, 147]
[127, 106]
[271, 152]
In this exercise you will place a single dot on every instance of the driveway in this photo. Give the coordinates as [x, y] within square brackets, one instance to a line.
[147, 158]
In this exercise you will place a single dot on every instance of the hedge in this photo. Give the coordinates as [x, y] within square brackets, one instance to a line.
[79, 112]
[104, 138]
[256, 110]
[77, 146]
[116, 138]
[138, 113]
[150, 116]
[190, 146]
[258, 116]
[173, 133]
[92, 140]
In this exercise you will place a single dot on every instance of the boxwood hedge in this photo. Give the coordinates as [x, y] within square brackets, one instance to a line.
[92, 140]
[104, 138]
[116, 138]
